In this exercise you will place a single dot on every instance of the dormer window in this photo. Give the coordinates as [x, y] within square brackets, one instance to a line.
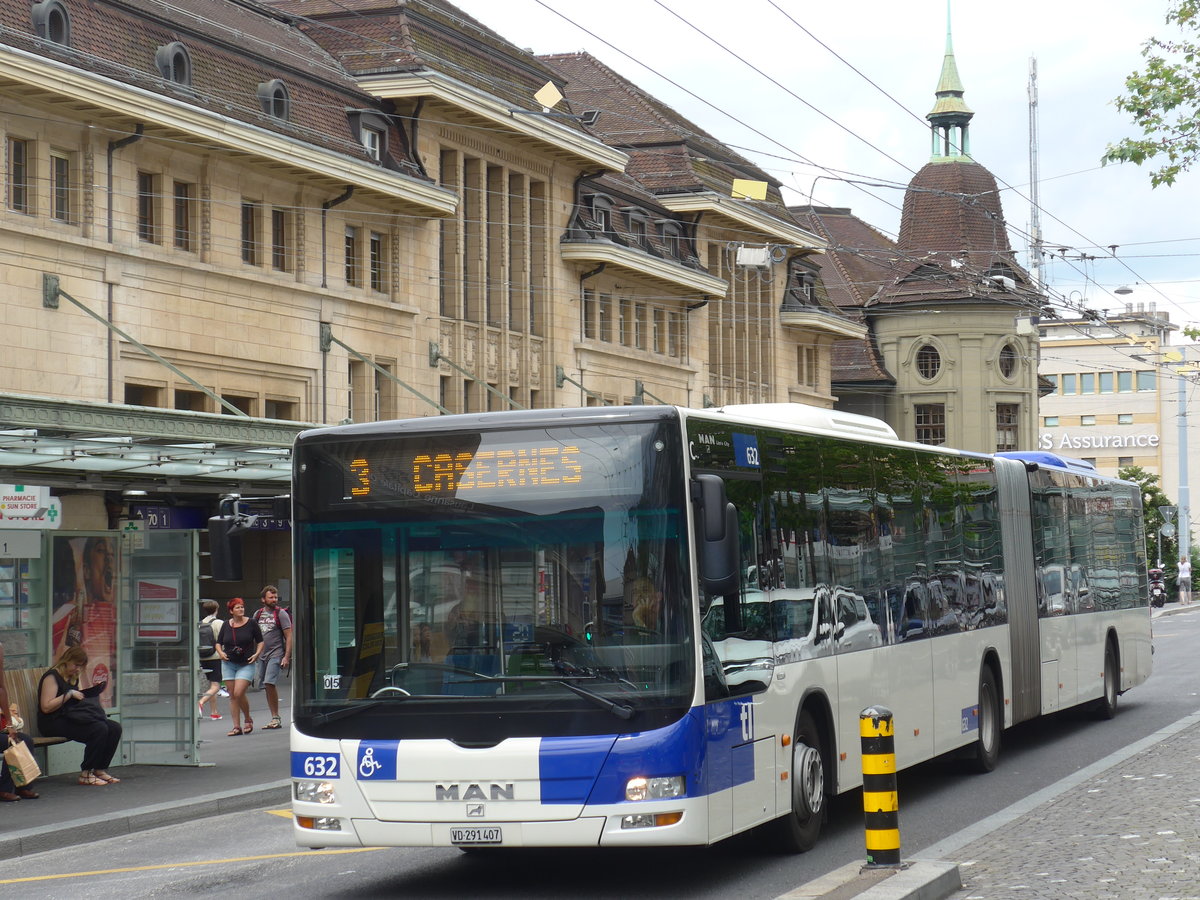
[372, 139]
[371, 129]
[174, 63]
[275, 99]
[602, 215]
[51, 22]
[669, 233]
[805, 287]
[637, 226]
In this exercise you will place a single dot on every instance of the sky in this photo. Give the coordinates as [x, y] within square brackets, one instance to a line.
[816, 124]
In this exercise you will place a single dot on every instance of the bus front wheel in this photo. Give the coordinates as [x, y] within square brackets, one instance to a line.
[798, 830]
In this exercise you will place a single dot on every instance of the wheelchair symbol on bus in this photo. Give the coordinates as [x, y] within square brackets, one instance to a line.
[368, 765]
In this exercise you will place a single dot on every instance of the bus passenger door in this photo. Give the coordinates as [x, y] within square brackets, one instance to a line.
[737, 631]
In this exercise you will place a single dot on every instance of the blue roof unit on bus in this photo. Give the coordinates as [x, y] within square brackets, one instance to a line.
[1052, 460]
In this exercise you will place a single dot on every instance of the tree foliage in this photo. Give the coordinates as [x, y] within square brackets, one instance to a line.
[1152, 498]
[1163, 100]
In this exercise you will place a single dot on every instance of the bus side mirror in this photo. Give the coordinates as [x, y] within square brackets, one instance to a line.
[718, 546]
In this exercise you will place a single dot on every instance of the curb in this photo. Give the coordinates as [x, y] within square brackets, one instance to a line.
[917, 880]
[142, 818]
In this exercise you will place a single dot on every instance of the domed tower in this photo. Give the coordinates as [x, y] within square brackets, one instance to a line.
[948, 326]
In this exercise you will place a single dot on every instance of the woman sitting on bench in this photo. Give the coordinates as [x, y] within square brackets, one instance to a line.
[66, 711]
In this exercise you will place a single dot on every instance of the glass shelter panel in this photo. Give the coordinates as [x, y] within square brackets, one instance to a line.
[157, 646]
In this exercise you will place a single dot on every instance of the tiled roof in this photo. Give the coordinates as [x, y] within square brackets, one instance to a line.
[371, 37]
[234, 46]
[859, 262]
[668, 153]
[857, 363]
[860, 259]
[952, 211]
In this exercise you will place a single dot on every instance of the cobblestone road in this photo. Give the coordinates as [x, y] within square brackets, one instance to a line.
[1130, 833]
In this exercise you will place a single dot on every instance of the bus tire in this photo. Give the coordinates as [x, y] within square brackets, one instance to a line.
[986, 751]
[798, 831]
[1106, 706]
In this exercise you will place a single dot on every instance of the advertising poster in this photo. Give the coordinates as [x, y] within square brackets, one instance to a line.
[85, 606]
[158, 610]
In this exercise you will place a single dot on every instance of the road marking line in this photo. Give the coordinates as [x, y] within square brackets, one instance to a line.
[184, 865]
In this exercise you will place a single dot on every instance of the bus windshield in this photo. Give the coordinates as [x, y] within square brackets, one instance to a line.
[492, 583]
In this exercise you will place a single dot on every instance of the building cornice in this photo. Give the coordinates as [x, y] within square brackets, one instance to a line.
[743, 216]
[129, 101]
[533, 124]
[821, 321]
[643, 264]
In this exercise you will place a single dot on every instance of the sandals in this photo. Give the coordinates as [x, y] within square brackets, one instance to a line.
[234, 733]
[276, 722]
[88, 778]
[105, 777]
[249, 726]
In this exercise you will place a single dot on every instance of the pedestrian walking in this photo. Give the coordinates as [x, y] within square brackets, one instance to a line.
[1184, 580]
[210, 662]
[239, 645]
[276, 627]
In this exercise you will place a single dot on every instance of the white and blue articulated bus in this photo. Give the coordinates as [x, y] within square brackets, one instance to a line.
[659, 626]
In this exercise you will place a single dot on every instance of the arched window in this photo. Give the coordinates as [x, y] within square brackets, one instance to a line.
[1008, 360]
[174, 63]
[929, 362]
[52, 22]
[275, 99]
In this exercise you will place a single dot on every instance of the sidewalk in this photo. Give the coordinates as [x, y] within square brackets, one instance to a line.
[1126, 827]
[238, 773]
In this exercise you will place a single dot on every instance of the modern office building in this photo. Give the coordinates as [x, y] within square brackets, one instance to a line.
[1123, 395]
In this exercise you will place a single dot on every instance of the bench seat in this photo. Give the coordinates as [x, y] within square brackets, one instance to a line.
[22, 693]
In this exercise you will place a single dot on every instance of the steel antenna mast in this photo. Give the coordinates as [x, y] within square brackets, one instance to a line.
[1035, 212]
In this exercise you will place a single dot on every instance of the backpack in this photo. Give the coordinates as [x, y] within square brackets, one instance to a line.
[208, 644]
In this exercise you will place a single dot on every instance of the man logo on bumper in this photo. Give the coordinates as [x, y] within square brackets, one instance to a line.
[474, 792]
[475, 809]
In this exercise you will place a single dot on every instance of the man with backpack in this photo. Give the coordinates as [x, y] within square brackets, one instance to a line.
[210, 661]
[276, 627]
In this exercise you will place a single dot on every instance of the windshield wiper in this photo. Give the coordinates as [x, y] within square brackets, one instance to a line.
[620, 710]
[344, 712]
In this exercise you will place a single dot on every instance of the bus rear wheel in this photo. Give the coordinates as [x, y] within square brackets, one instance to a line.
[986, 752]
[1106, 706]
[798, 830]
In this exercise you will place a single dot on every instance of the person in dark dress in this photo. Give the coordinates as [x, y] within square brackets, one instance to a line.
[64, 710]
[239, 645]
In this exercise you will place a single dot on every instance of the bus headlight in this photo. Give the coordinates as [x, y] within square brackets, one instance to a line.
[314, 791]
[655, 788]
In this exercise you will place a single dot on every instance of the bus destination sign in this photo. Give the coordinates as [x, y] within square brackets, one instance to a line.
[450, 472]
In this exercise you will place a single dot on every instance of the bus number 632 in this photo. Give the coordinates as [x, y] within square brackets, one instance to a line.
[321, 766]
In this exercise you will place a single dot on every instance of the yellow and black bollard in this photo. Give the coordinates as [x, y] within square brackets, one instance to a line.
[879, 786]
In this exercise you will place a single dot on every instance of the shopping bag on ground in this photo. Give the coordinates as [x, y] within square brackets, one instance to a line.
[21, 764]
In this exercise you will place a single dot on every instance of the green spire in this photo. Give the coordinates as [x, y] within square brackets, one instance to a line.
[950, 114]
